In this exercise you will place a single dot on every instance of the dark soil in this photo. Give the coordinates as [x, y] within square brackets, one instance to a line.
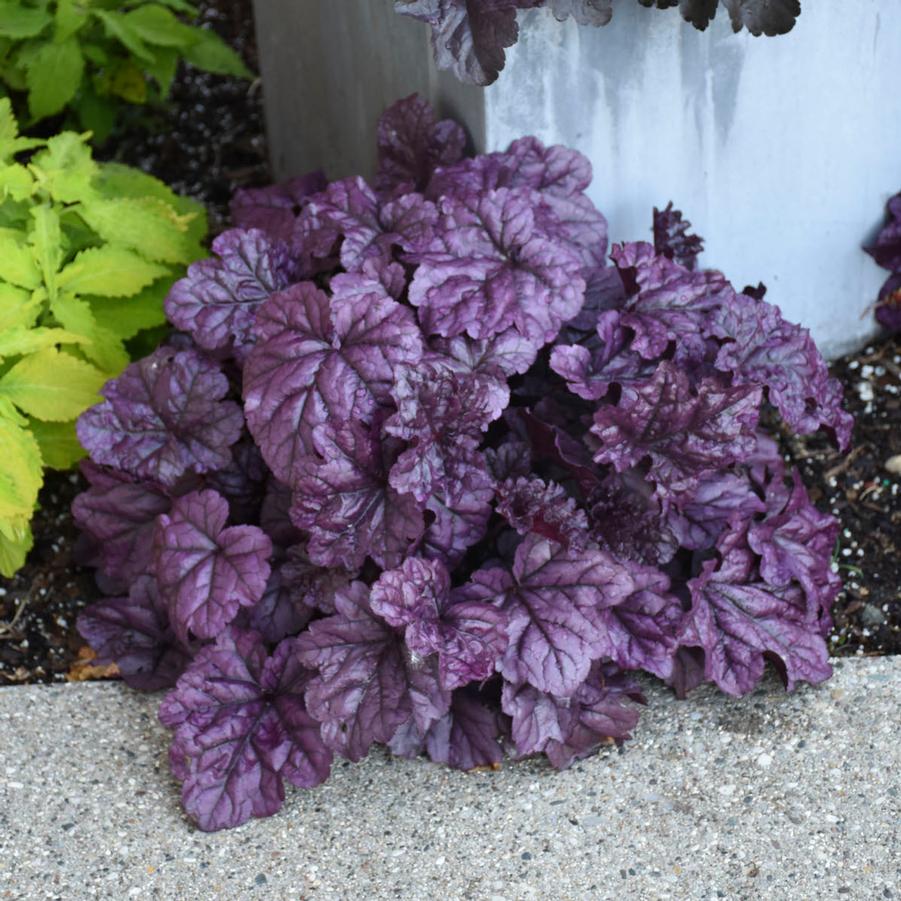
[210, 138]
[866, 497]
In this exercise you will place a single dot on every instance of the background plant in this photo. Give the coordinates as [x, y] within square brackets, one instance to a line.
[87, 254]
[86, 57]
[886, 251]
[470, 36]
[421, 468]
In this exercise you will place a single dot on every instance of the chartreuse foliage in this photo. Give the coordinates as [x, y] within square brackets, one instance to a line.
[87, 253]
[90, 55]
[423, 468]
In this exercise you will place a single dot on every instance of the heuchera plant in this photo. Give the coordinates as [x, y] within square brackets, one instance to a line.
[88, 252]
[886, 251]
[469, 37]
[422, 469]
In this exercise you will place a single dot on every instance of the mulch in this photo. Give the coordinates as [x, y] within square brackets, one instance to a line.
[211, 141]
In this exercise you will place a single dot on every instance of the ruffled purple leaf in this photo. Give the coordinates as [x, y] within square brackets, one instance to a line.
[886, 250]
[347, 504]
[241, 728]
[216, 303]
[763, 349]
[362, 693]
[466, 634]
[274, 209]
[243, 482]
[553, 598]
[283, 610]
[412, 143]
[888, 306]
[739, 620]
[494, 266]
[321, 359]
[533, 506]
[134, 633]
[163, 417]
[683, 432]
[672, 239]
[205, 570]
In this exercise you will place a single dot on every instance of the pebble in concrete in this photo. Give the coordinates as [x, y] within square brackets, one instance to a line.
[774, 796]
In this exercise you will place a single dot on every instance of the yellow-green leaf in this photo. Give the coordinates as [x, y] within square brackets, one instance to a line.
[18, 21]
[145, 224]
[110, 272]
[125, 317]
[17, 264]
[53, 75]
[98, 344]
[19, 341]
[18, 308]
[70, 16]
[13, 551]
[46, 242]
[129, 83]
[156, 25]
[58, 443]
[65, 169]
[20, 476]
[52, 385]
[16, 182]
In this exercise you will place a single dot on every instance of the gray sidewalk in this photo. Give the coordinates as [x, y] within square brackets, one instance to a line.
[772, 797]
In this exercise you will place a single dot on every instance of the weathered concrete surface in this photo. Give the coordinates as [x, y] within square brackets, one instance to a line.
[774, 796]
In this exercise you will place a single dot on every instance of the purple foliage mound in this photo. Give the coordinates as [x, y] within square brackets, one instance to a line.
[886, 251]
[421, 468]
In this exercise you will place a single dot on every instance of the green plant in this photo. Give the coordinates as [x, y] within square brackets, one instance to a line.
[87, 254]
[85, 56]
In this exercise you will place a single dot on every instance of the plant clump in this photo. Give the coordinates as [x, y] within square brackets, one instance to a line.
[420, 468]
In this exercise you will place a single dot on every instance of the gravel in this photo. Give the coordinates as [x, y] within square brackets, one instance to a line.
[777, 796]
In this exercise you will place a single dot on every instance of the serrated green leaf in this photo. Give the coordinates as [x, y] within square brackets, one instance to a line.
[163, 71]
[17, 264]
[14, 551]
[19, 341]
[58, 443]
[65, 168]
[110, 272]
[52, 385]
[20, 476]
[53, 75]
[10, 142]
[156, 25]
[180, 6]
[95, 113]
[126, 317]
[46, 242]
[98, 344]
[16, 182]
[212, 54]
[18, 21]
[146, 224]
[18, 308]
[118, 27]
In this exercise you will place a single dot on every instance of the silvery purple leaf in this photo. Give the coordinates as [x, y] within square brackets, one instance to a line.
[216, 302]
[344, 500]
[241, 727]
[318, 359]
[282, 611]
[134, 633]
[163, 417]
[412, 143]
[275, 208]
[684, 432]
[493, 266]
[739, 620]
[533, 506]
[206, 571]
[553, 598]
[466, 634]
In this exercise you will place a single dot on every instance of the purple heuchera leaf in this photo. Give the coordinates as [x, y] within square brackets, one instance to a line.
[134, 633]
[886, 250]
[364, 688]
[672, 240]
[347, 504]
[533, 506]
[737, 618]
[118, 514]
[216, 302]
[467, 635]
[274, 209]
[241, 728]
[888, 306]
[163, 417]
[566, 729]
[494, 265]
[553, 598]
[412, 143]
[283, 610]
[205, 570]
[319, 359]
[684, 432]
